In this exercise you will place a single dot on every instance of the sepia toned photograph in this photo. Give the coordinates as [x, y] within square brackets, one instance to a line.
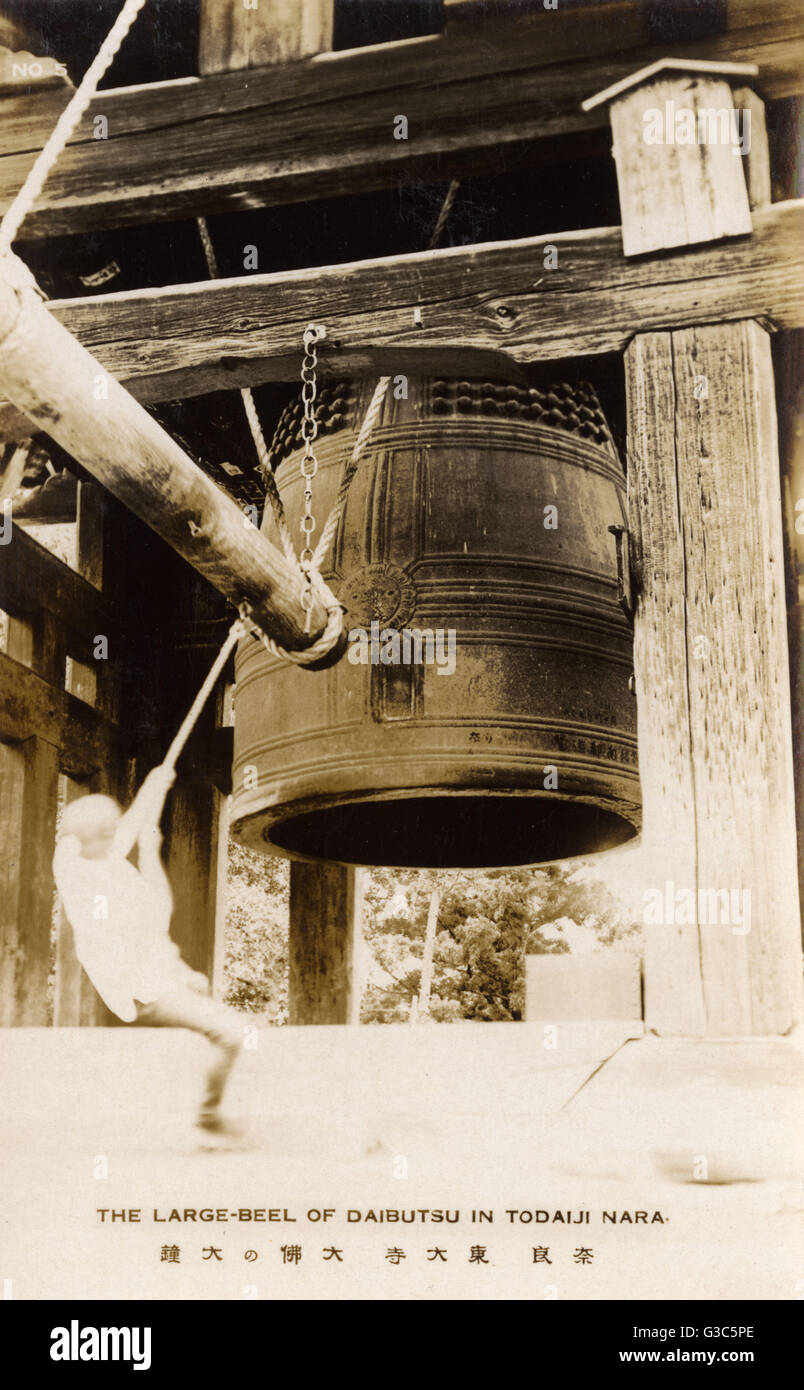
[401, 629]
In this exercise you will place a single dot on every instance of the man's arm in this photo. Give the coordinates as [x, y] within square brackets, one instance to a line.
[149, 862]
[145, 811]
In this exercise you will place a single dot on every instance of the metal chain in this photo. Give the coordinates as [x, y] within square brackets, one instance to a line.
[311, 560]
[308, 466]
[250, 408]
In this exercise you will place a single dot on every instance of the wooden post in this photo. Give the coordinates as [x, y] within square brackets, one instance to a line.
[790, 404]
[196, 824]
[65, 391]
[713, 690]
[76, 1002]
[234, 36]
[29, 773]
[426, 981]
[325, 917]
[723, 952]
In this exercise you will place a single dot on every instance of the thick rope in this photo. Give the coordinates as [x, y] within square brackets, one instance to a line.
[66, 124]
[331, 524]
[334, 624]
[263, 452]
[322, 646]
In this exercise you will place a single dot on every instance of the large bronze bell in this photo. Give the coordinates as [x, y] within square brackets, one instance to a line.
[481, 509]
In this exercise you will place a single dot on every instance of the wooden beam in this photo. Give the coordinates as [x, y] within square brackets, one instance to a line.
[31, 706]
[65, 391]
[323, 127]
[232, 37]
[325, 915]
[33, 580]
[481, 308]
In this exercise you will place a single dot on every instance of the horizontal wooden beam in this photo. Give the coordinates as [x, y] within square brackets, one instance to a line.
[323, 127]
[32, 580]
[481, 308]
[66, 392]
[32, 707]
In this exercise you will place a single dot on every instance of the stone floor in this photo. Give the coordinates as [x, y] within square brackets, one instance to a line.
[467, 1118]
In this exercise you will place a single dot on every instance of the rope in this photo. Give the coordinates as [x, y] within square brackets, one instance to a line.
[441, 220]
[331, 524]
[317, 649]
[66, 124]
[236, 631]
[243, 627]
[334, 624]
[263, 452]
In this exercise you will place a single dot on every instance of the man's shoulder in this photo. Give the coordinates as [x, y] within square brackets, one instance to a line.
[67, 851]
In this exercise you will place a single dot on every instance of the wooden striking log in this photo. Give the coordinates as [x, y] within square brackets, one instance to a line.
[217, 143]
[482, 308]
[66, 392]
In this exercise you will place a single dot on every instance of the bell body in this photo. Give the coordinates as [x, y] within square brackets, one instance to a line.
[501, 729]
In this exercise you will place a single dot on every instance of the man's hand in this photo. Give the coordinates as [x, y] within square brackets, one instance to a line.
[145, 812]
[154, 790]
[160, 778]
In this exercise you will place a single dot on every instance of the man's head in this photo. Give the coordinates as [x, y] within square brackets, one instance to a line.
[93, 820]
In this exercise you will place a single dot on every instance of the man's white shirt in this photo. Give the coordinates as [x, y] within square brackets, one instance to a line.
[121, 926]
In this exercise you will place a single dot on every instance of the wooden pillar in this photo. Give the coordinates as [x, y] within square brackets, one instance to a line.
[723, 952]
[29, 776]
[29, 773]
[713, 691]
[234, 34]
[789, 361]
[187, 635]
[325, 925]
[76, 1002]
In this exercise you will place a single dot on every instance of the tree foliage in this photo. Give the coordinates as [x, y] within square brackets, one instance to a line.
[487, 922]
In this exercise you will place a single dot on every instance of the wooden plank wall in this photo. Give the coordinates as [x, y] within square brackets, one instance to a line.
[68, 728]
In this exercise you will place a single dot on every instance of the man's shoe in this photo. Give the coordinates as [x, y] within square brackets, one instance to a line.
[213, 1123]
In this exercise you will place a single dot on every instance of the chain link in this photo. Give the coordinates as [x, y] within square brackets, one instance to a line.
[309, 463]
